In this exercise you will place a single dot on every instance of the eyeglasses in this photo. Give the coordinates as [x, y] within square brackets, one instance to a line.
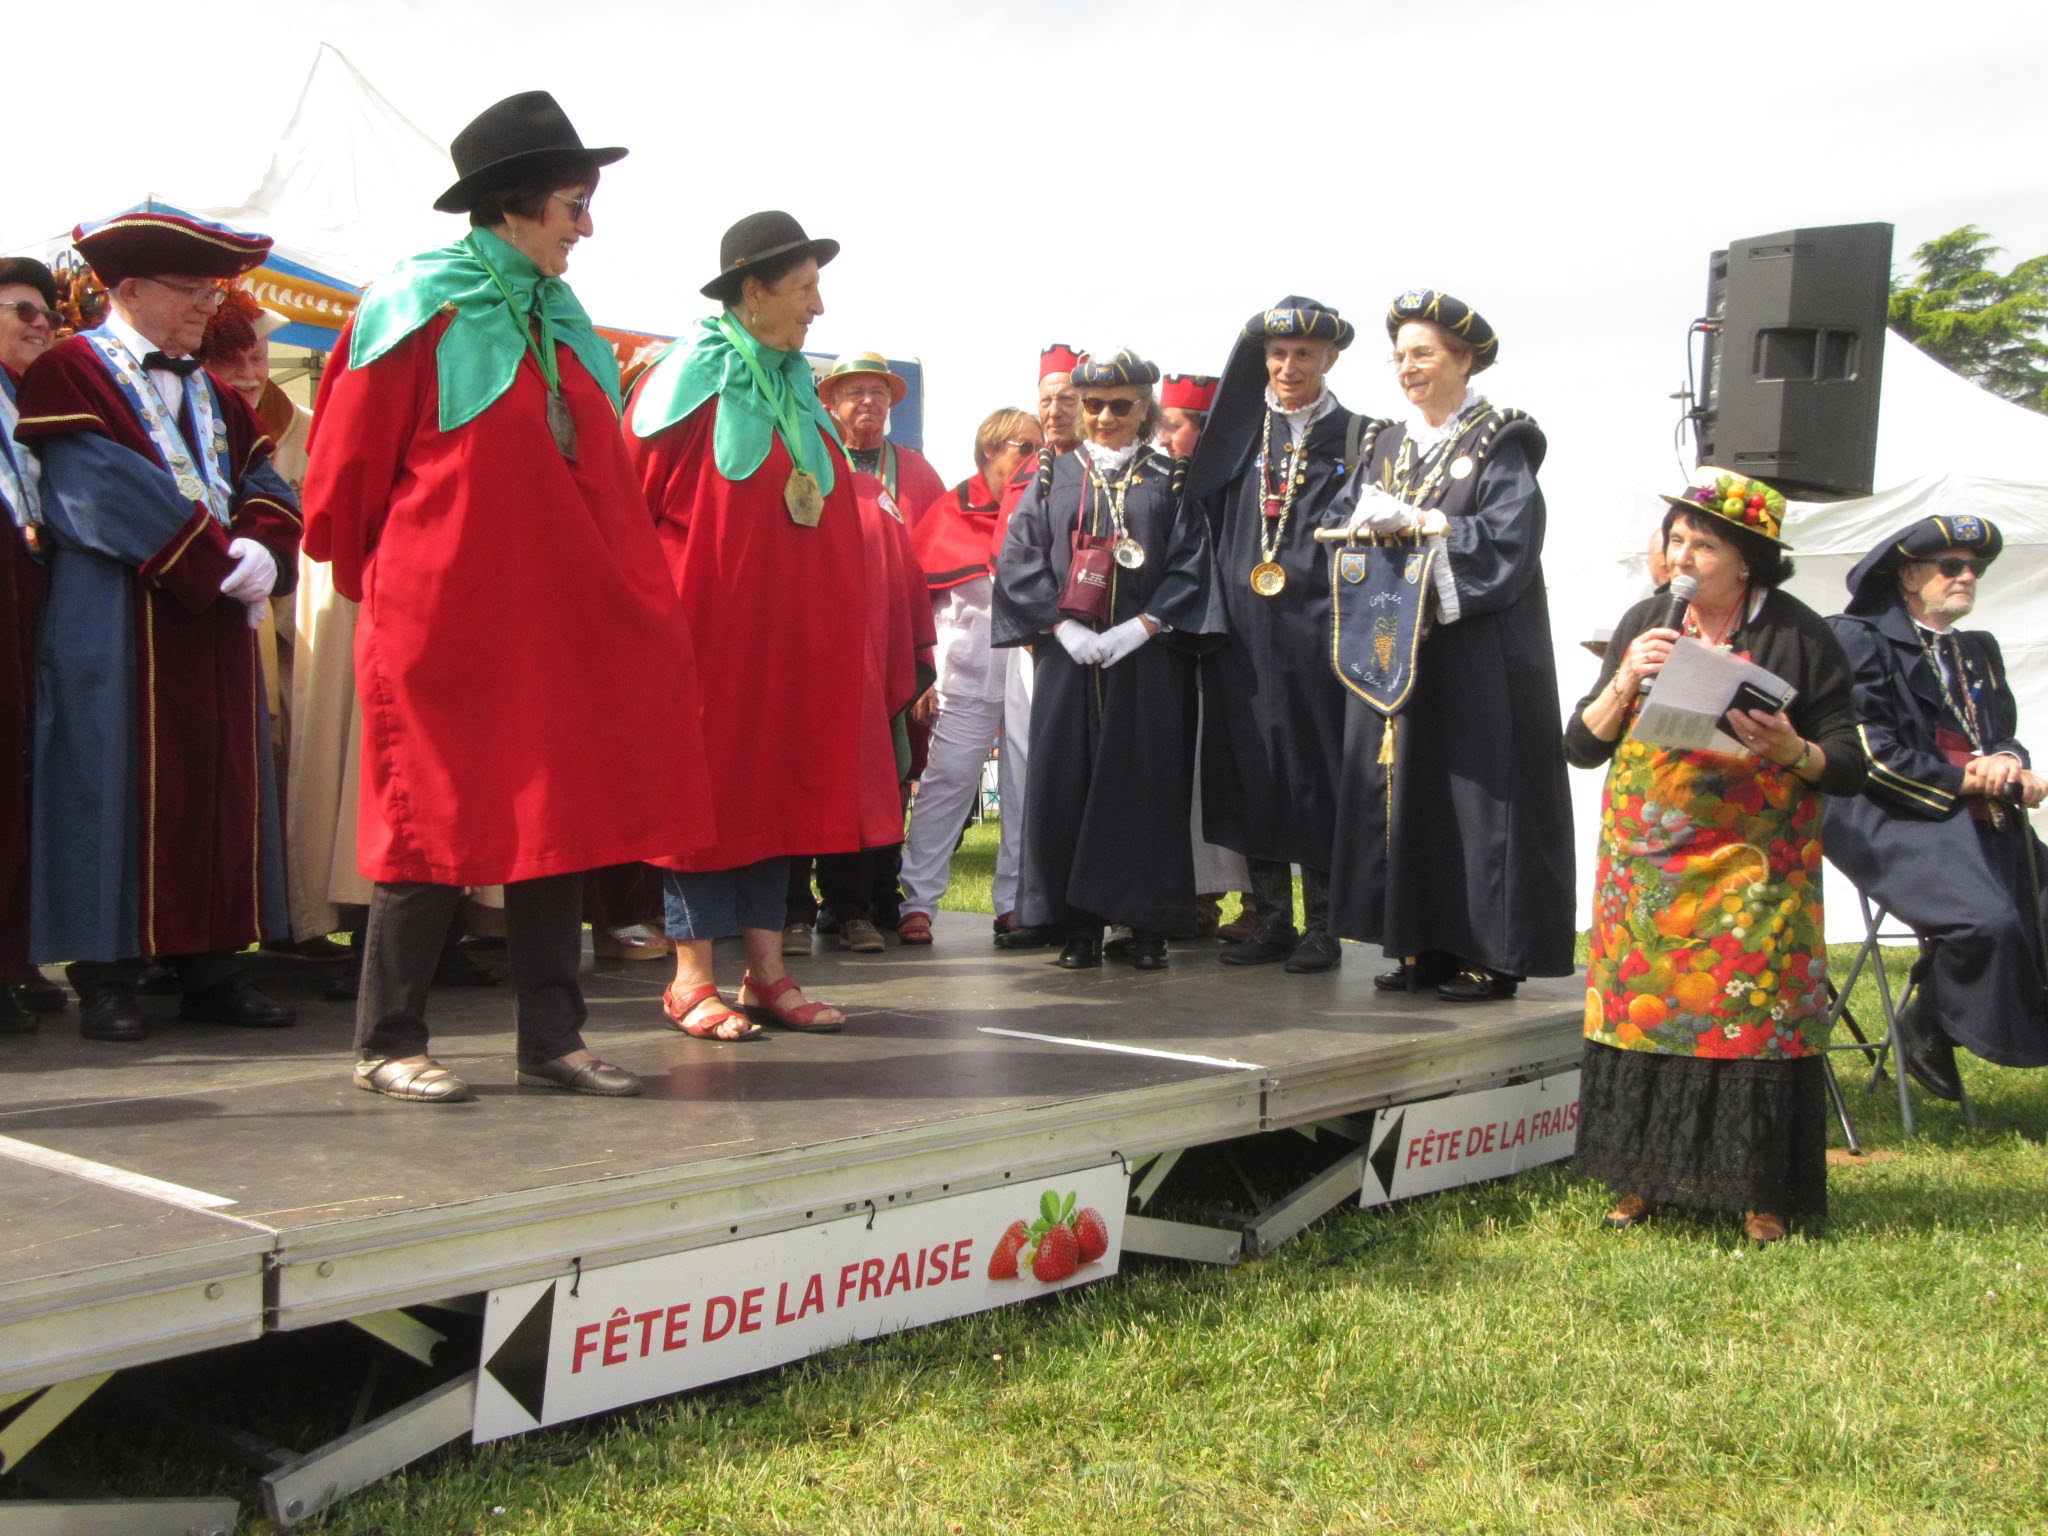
[1022, 444]
[211, 294]
[1952, 566]
[28, 312]
[1415, 355]
[578, 206]
[1095, 405]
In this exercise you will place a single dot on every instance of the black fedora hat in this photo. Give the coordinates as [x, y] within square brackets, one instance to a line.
[515, 134]
[757, 238]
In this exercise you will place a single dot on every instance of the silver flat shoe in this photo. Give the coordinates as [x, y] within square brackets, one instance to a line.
[598, 1078]
[423, 1082]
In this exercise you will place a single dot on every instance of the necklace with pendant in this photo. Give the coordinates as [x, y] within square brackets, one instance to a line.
[1269, 577]
[1127, 551]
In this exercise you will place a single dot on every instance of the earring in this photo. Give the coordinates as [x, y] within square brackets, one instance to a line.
[1743, 574]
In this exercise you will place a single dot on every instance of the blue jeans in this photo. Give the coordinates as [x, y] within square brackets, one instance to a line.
[715, 904]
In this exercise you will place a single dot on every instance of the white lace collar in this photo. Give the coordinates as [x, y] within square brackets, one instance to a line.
[1426, 437]
[1110, 461]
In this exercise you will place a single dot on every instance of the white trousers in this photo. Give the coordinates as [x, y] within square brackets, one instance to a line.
[963, 731]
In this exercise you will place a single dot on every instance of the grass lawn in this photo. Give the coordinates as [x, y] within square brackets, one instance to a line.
[1482, 1361]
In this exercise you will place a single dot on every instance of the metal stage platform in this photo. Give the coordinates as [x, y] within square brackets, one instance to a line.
[211, 1184]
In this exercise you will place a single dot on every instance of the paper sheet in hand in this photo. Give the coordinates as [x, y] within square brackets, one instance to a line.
[1695, 688]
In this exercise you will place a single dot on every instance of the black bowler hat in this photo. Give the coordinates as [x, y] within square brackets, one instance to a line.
[26, 269]
[1871, 584]
[517, 134]
[757, 238]
[1454, 315]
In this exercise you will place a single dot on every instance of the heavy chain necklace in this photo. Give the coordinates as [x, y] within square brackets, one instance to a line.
[1434, 466]
[1129, 553]
[1269, 577]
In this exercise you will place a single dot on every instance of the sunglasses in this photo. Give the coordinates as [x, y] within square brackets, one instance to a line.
[578, 206]
[1952, 566]
[1095, 405]
[28, 312]
[1022, 445]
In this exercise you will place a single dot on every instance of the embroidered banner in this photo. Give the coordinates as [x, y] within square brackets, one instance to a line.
[1378, 594]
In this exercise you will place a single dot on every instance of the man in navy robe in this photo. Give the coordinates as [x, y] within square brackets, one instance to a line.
[1939, 835]
[1273, 457]
[154, 832]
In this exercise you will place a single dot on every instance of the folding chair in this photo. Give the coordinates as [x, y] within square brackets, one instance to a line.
[1874, 933]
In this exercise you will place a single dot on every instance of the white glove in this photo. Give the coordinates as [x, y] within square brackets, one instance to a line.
[1432, 523]
[1380, 513]
[255, 611]
[255, 572]
[1079, 641]
[1119, 640]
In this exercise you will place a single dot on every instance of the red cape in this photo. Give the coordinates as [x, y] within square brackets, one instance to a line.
[917, 485]
[774, 610]
[900, 636]
[1013, 493]
[953, 541]
[529, 689]
[200, 825]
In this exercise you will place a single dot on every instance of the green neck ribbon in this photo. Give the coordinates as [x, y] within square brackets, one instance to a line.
[498, 296]
[760, 391]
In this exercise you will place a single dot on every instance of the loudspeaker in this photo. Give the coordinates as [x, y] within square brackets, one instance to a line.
[1794, 371]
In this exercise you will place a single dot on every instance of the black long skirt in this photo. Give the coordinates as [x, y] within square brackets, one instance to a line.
[1707, 1134]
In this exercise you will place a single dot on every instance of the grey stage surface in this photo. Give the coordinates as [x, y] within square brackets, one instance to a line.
[211, 1183]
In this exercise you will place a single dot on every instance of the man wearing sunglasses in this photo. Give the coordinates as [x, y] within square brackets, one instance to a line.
[154, 829]
[1939, 834]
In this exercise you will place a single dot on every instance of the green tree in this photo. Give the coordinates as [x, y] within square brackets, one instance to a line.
[1987, 326]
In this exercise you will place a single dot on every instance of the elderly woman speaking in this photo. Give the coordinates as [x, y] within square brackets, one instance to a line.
[1106, 573]
[1706, 983]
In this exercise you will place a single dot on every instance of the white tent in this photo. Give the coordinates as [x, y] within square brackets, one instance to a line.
[1945, 446]
[352, 181]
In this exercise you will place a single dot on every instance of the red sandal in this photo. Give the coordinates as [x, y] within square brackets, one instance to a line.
[714, 1025]
[915, 928]
[765, 1010]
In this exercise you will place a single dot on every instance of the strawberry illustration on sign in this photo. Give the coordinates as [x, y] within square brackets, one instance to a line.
[1054, 1246]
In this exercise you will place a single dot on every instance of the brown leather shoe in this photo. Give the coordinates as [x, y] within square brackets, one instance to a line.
[1761, 1227]
[1629, 1211]
[598, 1078]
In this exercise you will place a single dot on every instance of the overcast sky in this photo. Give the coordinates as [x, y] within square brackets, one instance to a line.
[1005, 175]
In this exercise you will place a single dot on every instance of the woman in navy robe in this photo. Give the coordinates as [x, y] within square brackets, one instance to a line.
[1113, 710]
[1456, 856]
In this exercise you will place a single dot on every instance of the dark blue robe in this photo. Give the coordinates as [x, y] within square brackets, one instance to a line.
[1469, 850]
[1910, 840]
[1111, 775]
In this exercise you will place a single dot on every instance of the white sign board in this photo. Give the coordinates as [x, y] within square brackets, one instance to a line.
[558, 1349]
[1417, 1149]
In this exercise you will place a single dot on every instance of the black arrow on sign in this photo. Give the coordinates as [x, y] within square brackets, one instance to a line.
[1384, 1159]
[520, 1364]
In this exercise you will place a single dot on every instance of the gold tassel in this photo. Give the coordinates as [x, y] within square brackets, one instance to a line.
[1387, 744]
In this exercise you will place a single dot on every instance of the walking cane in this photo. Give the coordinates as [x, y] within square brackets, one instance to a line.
[2033, 857]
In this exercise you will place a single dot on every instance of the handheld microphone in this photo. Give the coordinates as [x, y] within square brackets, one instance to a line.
[1670, 613]
[1676, 597]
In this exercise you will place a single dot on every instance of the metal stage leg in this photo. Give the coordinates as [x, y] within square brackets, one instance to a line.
[1182, 1240]
[403, 1332]
[1329, 1189]
[1155, 1176]
[314, 1482]
[118, 1517]
[31, 1415]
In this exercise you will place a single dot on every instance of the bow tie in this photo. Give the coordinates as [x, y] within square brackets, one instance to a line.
[183, 367]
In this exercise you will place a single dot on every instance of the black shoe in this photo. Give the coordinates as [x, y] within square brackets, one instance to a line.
[1272, 941]
[1083, 952]
[236, 1001]
[1317, 951]
[1024, 938]
[15, 1019]
[39, 994]
[1926, 1052]
[1148, 951]
[1429, 971]
[110, 1013]
[347, 982]
[1477, 984]
[158, 980]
